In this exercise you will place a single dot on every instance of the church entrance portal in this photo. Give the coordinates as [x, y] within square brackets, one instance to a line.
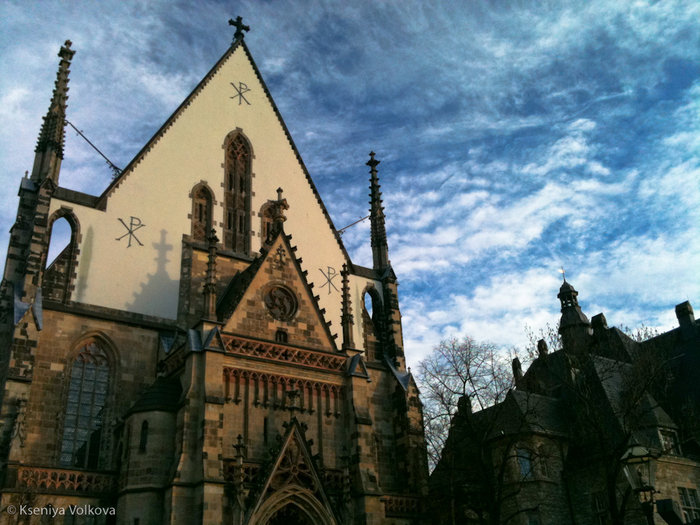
[293, 505]
[290, 515]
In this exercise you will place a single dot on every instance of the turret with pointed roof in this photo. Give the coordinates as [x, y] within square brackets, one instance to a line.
[574, 326]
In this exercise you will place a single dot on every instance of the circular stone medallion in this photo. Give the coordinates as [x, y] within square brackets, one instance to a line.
[280, 302]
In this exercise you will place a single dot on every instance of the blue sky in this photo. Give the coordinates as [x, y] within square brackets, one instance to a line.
[515, 137]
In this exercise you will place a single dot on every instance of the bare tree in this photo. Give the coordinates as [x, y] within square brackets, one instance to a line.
[459, 369]
[548, 333]
[478, 468]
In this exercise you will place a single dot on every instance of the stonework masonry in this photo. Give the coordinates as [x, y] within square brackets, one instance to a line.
[155, 374]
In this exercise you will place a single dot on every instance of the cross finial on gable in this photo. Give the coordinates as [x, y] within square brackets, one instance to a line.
[240, 27]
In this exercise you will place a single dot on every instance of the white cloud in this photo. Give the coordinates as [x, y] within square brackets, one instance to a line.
[513, 139]
[569, 152]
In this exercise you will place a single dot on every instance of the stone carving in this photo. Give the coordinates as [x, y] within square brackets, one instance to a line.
[19, 431]
[401, 506]
[61, 479]
[238, 345]
[293, 469]
[280, 302]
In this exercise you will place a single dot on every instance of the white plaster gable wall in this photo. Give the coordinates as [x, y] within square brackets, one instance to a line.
[156, 191]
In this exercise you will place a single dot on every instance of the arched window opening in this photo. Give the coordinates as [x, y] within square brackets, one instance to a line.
[266, 223]
[371, 322]
[87, 395]
[143, 439]
[201, 213]
[524, 457]
[372, 304]
[367, 301]
[60, 259]
[61, 234]
[237, 195]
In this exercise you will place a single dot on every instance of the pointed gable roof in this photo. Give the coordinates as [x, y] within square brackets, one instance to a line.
[274, 290]
[213, 340]
[357, 367]
[101, 202]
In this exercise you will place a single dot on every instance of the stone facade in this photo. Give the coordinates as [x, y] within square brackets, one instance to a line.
[552, 452]
[214, 382]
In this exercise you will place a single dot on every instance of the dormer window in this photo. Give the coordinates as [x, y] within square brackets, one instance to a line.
[669, 442]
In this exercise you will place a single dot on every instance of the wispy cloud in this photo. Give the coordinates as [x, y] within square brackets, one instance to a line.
[514, 138]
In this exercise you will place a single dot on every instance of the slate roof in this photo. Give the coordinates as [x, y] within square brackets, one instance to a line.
[613, 377]
[228, 302]
[522, 412]
[163, 396]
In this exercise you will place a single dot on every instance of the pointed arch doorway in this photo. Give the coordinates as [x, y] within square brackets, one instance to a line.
[290, 515]
[292, 505]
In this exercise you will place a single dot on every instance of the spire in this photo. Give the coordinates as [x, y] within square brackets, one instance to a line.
[49, 148]
[380, 249]
[210, 278]
[346, 312]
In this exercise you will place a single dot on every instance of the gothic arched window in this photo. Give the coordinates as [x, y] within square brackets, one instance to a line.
[201, 212]
[84, 417]
[237, 192]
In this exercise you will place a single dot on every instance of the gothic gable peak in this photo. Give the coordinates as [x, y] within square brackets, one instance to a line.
[273, 300]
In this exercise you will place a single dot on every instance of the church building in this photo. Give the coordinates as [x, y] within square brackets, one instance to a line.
[203, 350]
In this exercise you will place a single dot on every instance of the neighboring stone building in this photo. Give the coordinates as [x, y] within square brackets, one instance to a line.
[202, 351]
[551, 452]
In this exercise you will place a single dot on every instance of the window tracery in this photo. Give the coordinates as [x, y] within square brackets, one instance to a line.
[85, 407]
[201, 212]
[237, 194]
